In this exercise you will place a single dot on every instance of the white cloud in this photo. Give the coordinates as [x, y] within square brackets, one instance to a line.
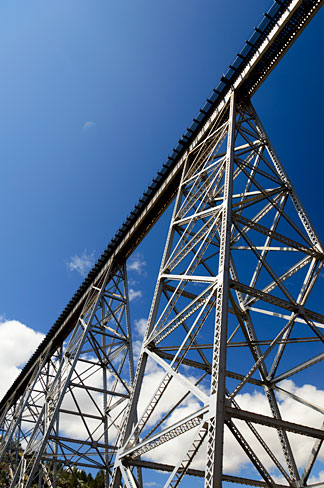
[88, 125]
[140, 326]
[81, 264]
[17, 343]
[136, 263]
[134, 294]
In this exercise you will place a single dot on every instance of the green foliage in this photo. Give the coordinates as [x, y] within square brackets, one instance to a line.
[65, 478]
[75, 478]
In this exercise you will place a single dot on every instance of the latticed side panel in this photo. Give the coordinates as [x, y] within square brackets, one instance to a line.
[20, 416]
[86, 388]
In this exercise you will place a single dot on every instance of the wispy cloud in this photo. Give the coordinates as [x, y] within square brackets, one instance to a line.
[134, 294]
[88, 125]
[81, 264]
[137, 263]
[140, 326]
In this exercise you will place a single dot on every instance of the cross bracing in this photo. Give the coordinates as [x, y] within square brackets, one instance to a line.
[89, 376]
[231, 300]
[217, 136]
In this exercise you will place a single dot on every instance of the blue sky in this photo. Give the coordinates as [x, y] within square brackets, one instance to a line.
[93, 97]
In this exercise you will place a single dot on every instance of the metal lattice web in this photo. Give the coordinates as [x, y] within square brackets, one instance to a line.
[231, 318]
[83, 388]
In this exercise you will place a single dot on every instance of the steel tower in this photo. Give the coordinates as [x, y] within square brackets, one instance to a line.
[87, 375]
[229, 319]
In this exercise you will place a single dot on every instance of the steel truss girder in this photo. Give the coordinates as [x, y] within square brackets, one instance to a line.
[217, 210]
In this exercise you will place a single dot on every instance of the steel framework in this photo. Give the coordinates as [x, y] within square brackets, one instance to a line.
[229, 316]
[238, 236]
[89, 378]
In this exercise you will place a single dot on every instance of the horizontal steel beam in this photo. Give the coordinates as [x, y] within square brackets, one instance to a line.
[249, 482]
[198, 473]
[96, 445]
[275, 423]
[100, 390]
[81, 414]
[160, 466]
[76, 463]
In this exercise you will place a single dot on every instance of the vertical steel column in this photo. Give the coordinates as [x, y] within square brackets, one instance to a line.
[128, 326]
[214, 463]
[57, 427]
[105, 405]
